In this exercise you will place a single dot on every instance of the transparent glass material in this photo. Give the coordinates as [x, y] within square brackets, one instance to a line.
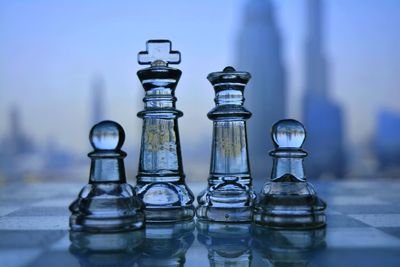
[288, 200]
[227, 244]
[286, 247]
[106, 249]
[107, 203]
[160, 179]
[229, 196]
[166, 244]
[161, 244]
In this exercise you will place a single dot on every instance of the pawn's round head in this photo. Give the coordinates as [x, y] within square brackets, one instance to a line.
[288, 134]
[107, 135]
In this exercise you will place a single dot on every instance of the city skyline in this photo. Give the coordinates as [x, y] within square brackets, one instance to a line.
[49, 54]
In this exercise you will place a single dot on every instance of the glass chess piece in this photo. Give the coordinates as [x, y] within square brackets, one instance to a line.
[160, 179]
[107, 202]
[227, 244]
[288, 200]
[166, 244]
[229, 196]
[106, 249]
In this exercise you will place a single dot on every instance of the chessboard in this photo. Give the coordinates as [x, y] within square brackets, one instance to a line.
[363, 228]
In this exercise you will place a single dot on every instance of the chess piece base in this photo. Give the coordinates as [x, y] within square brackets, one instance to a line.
[166, 201]
[207, 213]
[229, 202]
[95, 224]
[165, 215]
[109, 207]
[289, 205]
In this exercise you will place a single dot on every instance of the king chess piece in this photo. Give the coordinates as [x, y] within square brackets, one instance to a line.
[229, 196]
[166, 244]
[160, 179]
[288, 200]
[228, 244]
[107, 203]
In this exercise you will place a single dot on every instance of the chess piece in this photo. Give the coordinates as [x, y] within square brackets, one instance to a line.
[160, 179]
[166, 244]
[228, 244]
[120, 249]
[288, 200]
[229, 196]
[286, 247]
[107, 203]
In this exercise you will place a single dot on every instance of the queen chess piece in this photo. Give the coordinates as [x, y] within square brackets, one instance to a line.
[107, 203]
[288, 200]
[229, 196]
[160, 179]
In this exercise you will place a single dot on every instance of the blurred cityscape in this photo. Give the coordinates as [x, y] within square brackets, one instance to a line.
[258, 48]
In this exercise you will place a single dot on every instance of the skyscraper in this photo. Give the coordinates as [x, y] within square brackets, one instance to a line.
[387, 143]
[17, 148]
[17, 141]
[98, 89]
[322, 117]
[259, 52]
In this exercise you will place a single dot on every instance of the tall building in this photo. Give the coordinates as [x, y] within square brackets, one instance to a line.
[17, 150]
[98, 90]
[259, 52]
[321, 116]
[387, 142]
[17, 141]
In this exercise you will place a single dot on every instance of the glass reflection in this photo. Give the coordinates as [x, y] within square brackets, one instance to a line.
[107, 249]
[167, 244]
[286, 248]
[227, 244]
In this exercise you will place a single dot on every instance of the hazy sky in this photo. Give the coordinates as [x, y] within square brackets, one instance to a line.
[49, 52]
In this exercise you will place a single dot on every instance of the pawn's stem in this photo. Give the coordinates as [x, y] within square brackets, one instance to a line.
[107, 170]
[288, 166]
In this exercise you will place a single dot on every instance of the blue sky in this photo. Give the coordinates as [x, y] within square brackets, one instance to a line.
[49, 52]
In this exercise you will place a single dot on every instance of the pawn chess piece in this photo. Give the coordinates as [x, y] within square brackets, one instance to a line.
[288, 200]
[120, 249]
[287, 247]
[107, 203]
[160, 179]
[229, 196]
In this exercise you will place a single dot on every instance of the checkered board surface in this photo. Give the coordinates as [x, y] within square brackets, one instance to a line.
[363, 225]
